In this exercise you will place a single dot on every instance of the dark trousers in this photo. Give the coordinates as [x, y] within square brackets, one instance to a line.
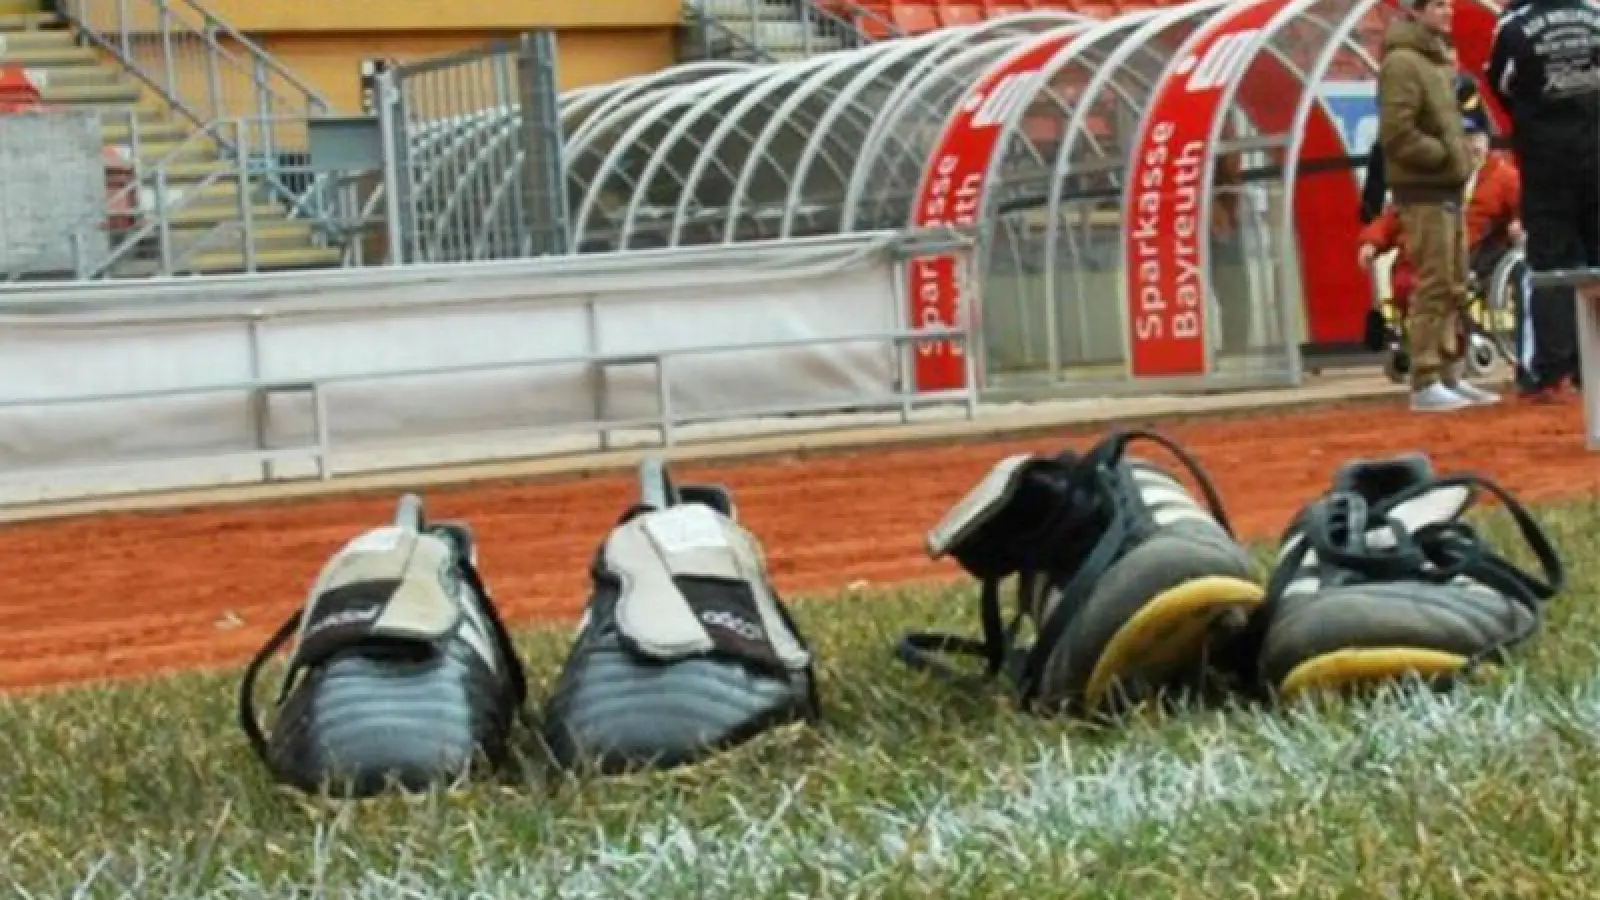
[1561, 214]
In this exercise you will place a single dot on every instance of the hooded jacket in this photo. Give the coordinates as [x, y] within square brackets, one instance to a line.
[1545, 68]
[1375, 187]
[1425, 156]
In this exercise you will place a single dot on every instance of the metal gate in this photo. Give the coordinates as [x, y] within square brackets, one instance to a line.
[474, 160]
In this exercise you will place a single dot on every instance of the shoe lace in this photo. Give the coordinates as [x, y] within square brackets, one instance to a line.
[1080, 537]
[1348, 533]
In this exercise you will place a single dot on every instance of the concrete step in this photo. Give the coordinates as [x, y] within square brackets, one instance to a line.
[29, 40]
[181, 194]
[74, 76]
[222, 261]
[27, 21]
[152, 153]
[152, 131]
[115, 93]
[228, 234]
[148, 111]
[208, 214]
[777, 35]
[44, 56]
[748, 9]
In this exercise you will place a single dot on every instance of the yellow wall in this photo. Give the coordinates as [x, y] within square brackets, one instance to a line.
[331, 63]
[368, 16]
[324, 42]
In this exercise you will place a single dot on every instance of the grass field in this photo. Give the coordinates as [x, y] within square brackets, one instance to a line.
[911, 789]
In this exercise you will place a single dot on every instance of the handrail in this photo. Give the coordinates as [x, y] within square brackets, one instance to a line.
[207, 71]
[846, 18]
[850, 15]
[706, 24]
[121, 28]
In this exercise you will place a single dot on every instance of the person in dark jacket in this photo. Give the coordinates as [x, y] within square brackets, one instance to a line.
[1545, 68]
[1427, 163]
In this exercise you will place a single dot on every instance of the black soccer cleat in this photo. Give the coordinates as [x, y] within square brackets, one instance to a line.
[402, 674]
[1381, 578]
[1126, 579]
[685, 649]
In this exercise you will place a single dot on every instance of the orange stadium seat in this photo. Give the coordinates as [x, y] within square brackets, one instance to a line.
[960, 14]
[876, 21]
[1098, 10]
[18, 92]
[1001, 10]
[914, 17]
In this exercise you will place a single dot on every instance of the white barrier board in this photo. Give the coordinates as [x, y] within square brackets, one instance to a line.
[182, 335]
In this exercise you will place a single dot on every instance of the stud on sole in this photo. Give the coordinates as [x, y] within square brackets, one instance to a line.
[1344, 669]
[1169, 632]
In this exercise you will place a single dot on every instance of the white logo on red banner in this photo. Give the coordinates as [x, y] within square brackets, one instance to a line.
[1166, 201]
[951, 193]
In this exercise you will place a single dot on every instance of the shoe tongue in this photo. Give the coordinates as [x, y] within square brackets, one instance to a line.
[1376, 480]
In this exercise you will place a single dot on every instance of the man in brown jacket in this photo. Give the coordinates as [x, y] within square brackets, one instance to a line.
[1427, 162]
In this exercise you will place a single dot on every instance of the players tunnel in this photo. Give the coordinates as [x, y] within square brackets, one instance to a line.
[1171, 194]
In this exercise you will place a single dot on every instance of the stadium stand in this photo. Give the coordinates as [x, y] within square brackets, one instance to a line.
[161, 165]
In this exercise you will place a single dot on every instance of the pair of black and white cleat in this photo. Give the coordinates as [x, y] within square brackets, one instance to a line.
[403, 675]
[1134, 586]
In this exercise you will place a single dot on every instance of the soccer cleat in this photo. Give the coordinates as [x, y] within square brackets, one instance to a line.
[1380, 578]
[685, 649]
[1126, 579]
[402, 674]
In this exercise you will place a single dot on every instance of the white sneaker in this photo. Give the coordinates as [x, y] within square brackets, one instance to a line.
[1472, 392]
[1438, 398]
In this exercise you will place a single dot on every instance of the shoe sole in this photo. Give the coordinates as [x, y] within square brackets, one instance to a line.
[1343, 669]
[1442, 409]
[782, 737]
[1169, 632]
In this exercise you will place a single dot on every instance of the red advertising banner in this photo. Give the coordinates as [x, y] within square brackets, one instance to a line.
[1165, 201]
[951, 193]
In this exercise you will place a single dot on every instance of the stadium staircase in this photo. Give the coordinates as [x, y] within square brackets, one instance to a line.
[777, 30]
[173, 166]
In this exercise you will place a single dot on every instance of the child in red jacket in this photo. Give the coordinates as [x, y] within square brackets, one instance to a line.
[1493, 198]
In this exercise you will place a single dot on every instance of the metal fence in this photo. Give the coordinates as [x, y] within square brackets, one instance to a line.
[476, 167]
[207, 72]
[764, 31]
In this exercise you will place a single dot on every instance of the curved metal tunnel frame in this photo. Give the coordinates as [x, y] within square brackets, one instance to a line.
[719, 152]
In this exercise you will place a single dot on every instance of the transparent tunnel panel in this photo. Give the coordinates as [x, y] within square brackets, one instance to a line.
[1085, 216]
[1015, 301]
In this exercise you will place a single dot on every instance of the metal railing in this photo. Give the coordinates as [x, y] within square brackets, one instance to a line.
[758, 31]
[712, 39]
[476, 167]
[207, 72]
[204, 204]
[599, 307]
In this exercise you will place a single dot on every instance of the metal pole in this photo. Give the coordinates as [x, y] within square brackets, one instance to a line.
[655, 484]
[387, 100]
[543, 175]
[409, 513]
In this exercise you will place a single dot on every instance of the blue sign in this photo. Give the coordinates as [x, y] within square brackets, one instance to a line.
[1354, 106]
